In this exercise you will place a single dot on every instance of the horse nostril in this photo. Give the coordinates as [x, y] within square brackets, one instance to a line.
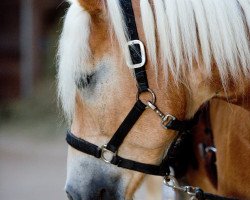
[102, 194]
[69, 196]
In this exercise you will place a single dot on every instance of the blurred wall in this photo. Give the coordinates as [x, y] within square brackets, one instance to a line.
[25, 26]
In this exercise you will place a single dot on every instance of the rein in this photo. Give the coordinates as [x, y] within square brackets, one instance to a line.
[108, 152]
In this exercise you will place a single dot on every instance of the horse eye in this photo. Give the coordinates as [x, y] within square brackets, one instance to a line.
[85, 81]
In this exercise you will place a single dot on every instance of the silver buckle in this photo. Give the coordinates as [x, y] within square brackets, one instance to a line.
[143, 54]
[107, 155]
[166, 120]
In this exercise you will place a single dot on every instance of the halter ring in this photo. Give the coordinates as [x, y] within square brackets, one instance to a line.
[153, 97]
[107, 155]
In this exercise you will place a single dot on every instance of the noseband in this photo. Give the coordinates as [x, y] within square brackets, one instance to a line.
[108, 152]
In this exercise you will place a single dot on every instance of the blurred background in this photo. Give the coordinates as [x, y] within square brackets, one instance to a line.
[32, 147]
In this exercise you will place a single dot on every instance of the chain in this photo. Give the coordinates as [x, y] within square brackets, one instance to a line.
[170, 181]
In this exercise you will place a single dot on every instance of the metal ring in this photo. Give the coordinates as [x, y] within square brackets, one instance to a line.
[110, 155]
[153, 100]
[190, 190]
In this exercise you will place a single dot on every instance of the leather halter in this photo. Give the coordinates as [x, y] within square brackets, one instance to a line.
[108, 152]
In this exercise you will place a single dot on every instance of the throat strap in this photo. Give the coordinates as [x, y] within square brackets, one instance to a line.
[183, 125]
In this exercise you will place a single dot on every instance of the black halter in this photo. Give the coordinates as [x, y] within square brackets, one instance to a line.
[108, 152]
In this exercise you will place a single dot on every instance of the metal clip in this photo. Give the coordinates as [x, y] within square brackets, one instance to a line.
[165, 119]
[170, 181]
[157, 111]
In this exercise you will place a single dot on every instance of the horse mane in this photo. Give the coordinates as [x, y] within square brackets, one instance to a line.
[206, 32]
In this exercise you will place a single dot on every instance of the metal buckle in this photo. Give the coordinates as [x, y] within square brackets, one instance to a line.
[143, 55]
[166, 120]
[107, 155]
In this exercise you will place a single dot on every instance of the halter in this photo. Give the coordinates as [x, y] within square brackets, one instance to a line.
[108, 152]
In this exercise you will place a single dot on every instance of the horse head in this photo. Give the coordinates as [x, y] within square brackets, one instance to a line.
[192, 56]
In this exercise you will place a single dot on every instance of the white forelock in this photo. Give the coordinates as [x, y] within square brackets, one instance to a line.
[73, 55]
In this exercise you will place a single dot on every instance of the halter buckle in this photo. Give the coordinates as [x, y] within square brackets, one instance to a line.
[107, 155]
[166, 120]
[142, 54]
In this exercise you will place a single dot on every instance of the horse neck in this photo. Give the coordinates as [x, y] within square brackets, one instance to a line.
[238, 94]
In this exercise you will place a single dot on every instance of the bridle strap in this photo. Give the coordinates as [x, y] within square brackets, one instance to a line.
[135, 52]
[184, 125]
[126, 126]
[91, 149]
[83, 145]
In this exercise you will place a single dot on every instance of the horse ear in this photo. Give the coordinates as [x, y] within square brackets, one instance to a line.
[92, 6]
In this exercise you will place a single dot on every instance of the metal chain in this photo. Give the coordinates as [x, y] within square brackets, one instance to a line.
[170, 181]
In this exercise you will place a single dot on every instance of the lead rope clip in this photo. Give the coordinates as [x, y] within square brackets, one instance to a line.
[170, 181]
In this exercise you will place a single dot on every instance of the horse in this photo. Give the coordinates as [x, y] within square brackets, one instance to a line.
[195, 50]
[214, 130]
[230, 128]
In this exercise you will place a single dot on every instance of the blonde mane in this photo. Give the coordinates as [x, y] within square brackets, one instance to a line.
[206, 32]
[219, 29]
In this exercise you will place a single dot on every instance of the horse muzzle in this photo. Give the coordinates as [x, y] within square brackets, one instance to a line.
[96, 190]
[92, 179]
